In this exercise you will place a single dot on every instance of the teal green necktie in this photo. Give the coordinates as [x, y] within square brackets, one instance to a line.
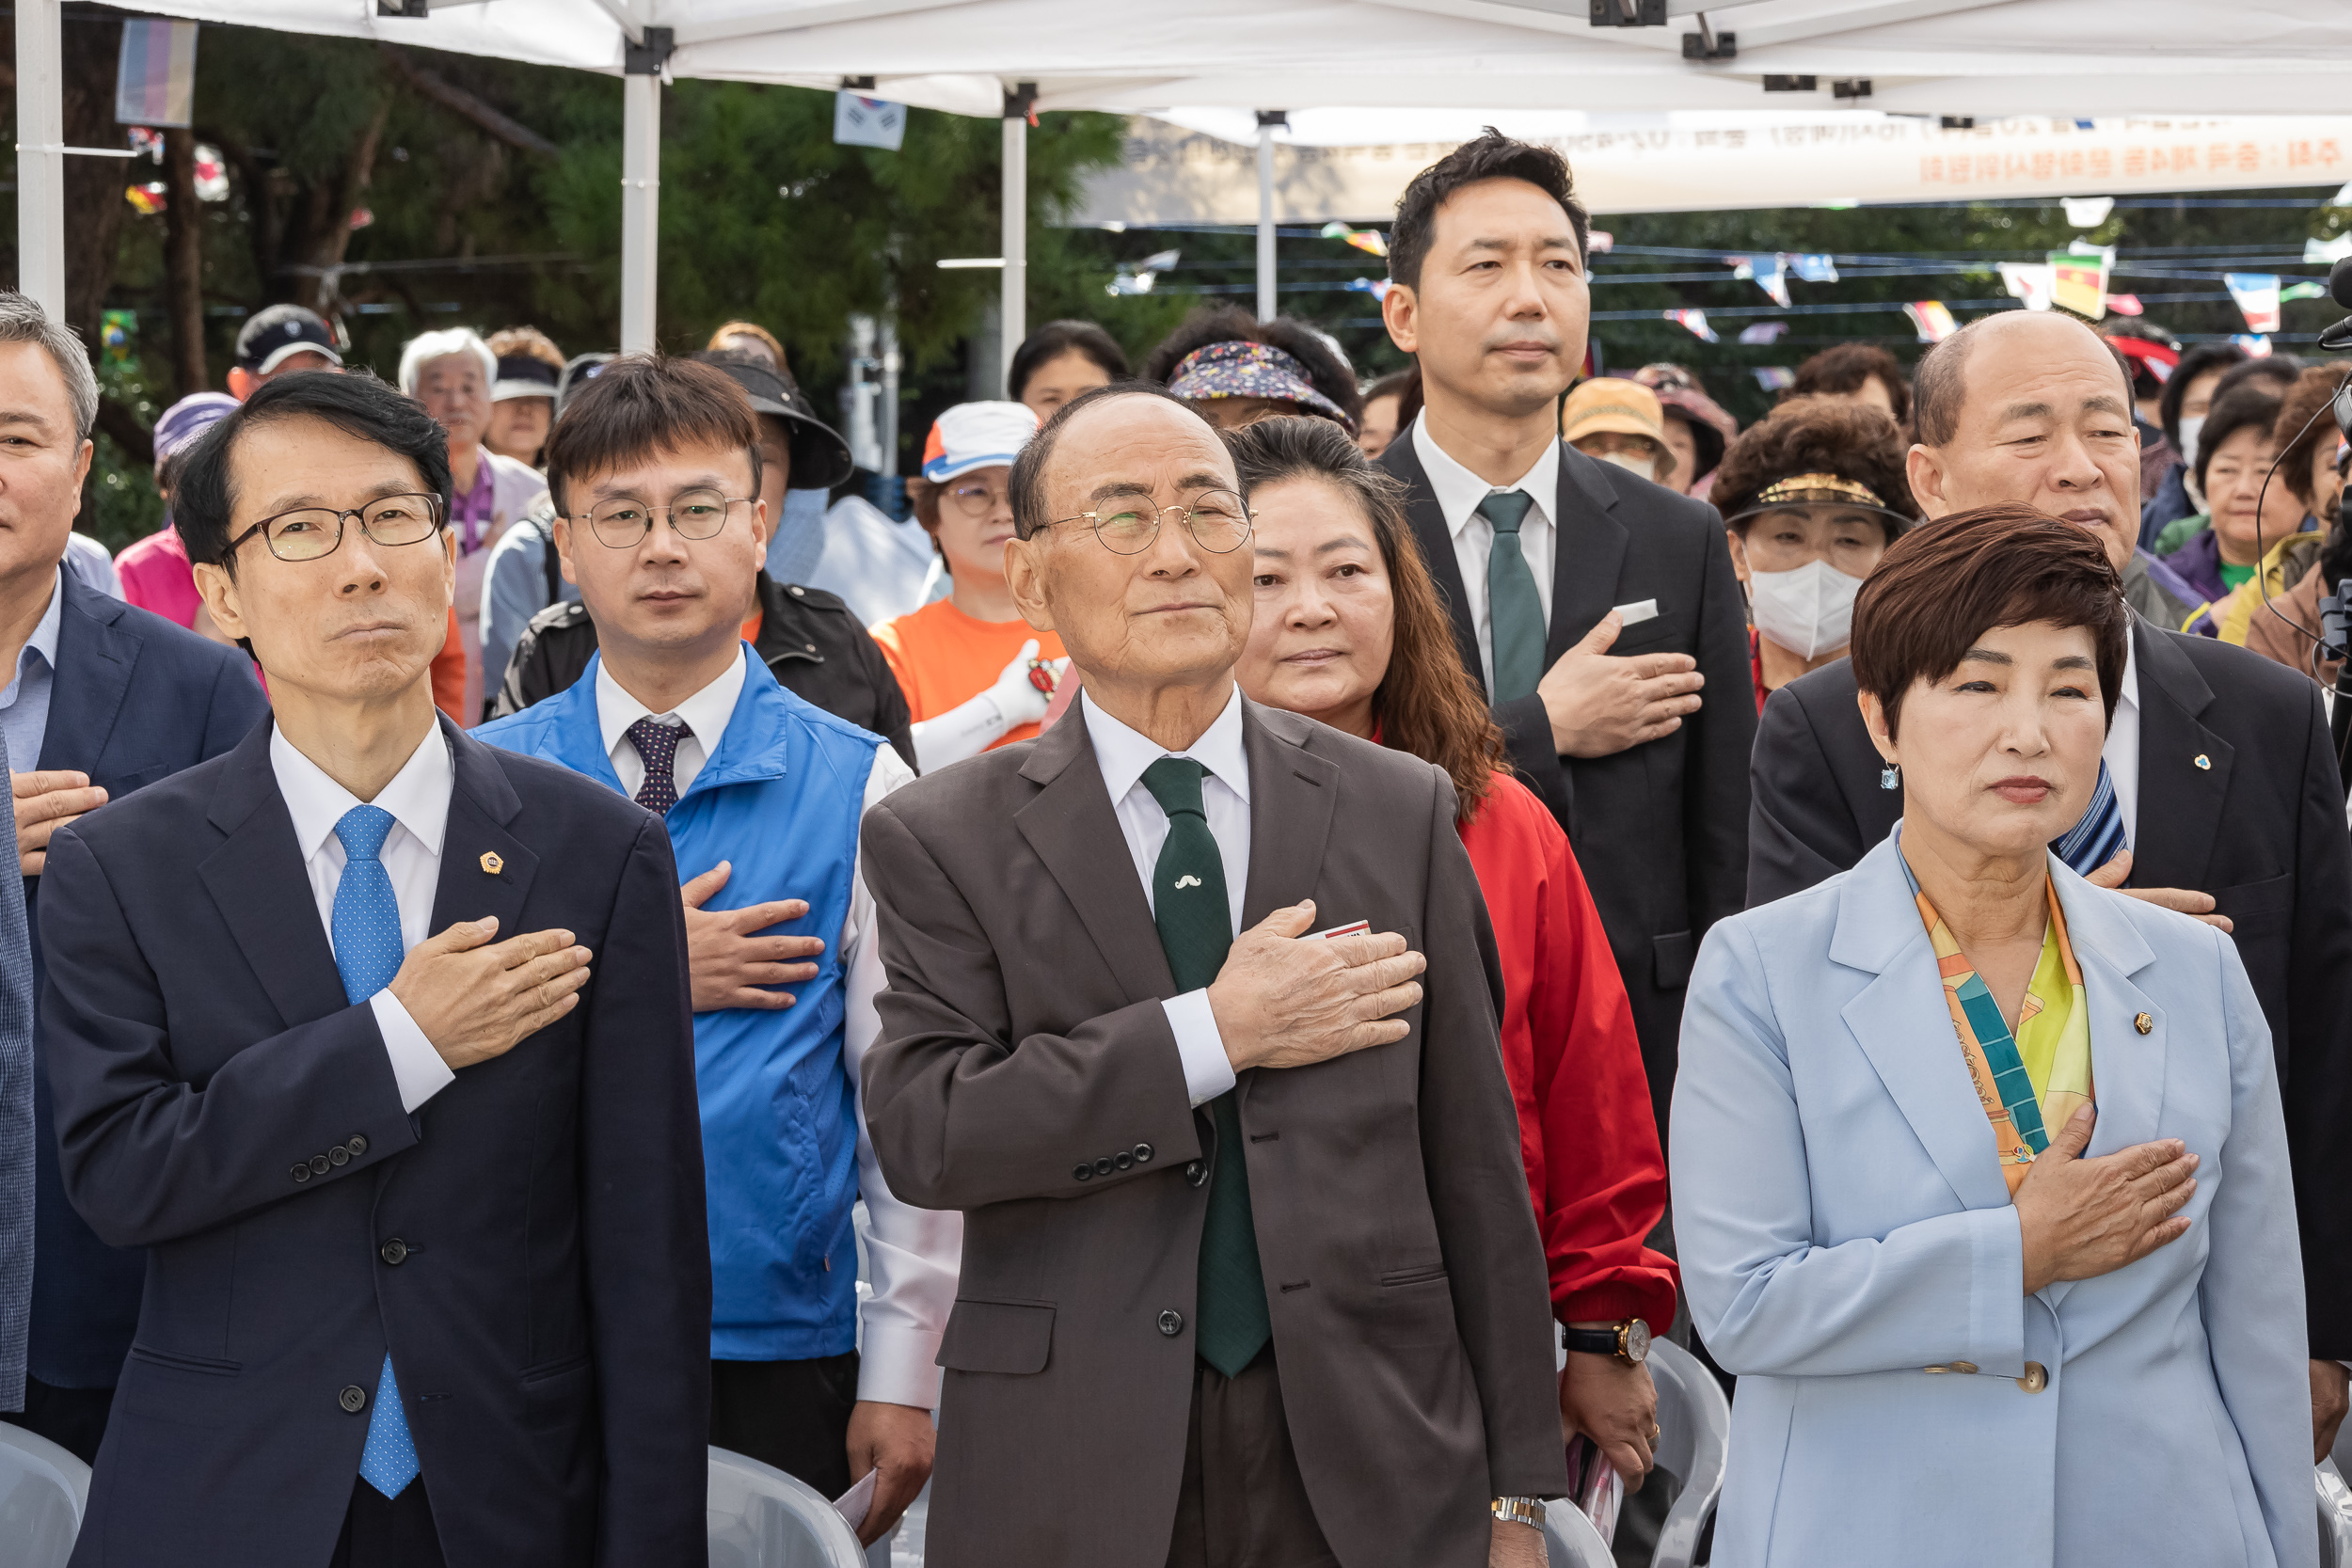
[1515, 610]
[1196, 922]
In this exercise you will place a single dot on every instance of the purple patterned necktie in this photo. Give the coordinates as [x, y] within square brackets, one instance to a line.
[656, 747]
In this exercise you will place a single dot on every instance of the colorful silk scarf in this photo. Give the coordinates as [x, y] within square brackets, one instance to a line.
[2033, 1079]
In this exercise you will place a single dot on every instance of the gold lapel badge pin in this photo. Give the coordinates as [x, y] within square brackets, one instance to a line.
[491, 864]
[2144, 1023]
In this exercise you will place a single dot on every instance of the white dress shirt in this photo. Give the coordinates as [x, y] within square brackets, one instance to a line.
[912, 1256]
[418, 798]
[1122, 754]
[1458, 492]
[2121, 751]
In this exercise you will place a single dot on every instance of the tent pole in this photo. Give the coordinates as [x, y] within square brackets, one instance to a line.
[40, 157]
[1013, 305]
[642, 64]
[1267, 120]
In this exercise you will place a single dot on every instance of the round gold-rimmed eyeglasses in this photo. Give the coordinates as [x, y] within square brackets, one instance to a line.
[621, 523]
[313, 532]
[1218, 519]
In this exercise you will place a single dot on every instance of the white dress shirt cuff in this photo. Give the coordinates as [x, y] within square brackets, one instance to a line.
[1208, 1071]
[899, 1365]
[417, 1068]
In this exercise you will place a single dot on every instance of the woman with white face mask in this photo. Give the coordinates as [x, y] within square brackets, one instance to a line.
[1811, 497]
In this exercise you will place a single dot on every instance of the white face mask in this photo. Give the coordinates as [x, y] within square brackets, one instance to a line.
[2190, 425]
[1808, 611]
[1632, 463]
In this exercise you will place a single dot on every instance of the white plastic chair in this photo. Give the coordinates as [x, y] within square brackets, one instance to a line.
[2335, 1518]
[43, 1491]
[1693, 1448]
[762, 1518]
[1570, 1541]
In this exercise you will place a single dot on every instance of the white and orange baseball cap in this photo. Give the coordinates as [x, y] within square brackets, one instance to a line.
[977, 436]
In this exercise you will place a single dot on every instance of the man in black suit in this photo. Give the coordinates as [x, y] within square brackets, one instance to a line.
[1593, 604]
[100, 698]
[2220, 761]
[428, 1276]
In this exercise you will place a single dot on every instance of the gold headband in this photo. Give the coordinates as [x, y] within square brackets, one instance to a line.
[1807, 487]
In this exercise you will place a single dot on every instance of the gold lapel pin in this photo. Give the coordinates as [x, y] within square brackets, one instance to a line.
[491, 864]
[2205, 762]
[2144, 1023]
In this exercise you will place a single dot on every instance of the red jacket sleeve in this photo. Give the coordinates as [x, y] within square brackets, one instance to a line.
[1594, 1167]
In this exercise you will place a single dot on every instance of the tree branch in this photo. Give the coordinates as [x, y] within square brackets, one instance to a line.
[451, 96]
[136, 441]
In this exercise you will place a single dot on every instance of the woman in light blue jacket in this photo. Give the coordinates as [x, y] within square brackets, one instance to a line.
[1980, 1174]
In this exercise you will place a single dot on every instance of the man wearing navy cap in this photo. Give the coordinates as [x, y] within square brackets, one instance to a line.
[279, 340]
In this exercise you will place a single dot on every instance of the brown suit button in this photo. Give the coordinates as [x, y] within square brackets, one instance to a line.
[1084, 1172]
[1196, 1172]
[1124, 1160]
[320, 1165]
[1172, 1323]
[359, 1145]
[339, 1155]
[1144, 1154]
[302, 1171]
[1103, 1166]
[394, 1252]
[354, 1398]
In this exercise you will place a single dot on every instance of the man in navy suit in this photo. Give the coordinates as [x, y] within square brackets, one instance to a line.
[99, 699]
[427, 1282]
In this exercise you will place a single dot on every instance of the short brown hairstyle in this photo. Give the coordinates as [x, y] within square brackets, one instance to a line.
[2303, 424]
[1947, 583]
[1816, 435]
[1488, 155]
[1426, 704]
[641, 403]
[1844, 370]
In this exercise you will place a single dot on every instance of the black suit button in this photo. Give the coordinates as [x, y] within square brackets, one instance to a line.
[1144, 1154]
[354, 1398]
[394, 1252]
[359, 1145]
[1084, 1173]
[1124, 1160]
[320, 1165]
[302, 1171]
[1172, 1323]
[339, 1155]
[1103, 1166]
[1196, 1172]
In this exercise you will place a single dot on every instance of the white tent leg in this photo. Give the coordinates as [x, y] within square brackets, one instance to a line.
[40, 157]
[1013, 311]
[1267, 120]
[640, 208]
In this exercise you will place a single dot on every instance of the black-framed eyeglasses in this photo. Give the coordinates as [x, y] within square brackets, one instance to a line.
[1218, 519]
[313, 532]
[620, 524]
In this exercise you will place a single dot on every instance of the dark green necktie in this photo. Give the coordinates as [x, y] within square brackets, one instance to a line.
[1189, 906]
[1515, 610]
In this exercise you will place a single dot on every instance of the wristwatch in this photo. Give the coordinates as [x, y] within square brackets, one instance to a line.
[1519, 1511]
[1629, 1341]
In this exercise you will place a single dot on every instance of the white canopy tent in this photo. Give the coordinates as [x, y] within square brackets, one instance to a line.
[1979, 59]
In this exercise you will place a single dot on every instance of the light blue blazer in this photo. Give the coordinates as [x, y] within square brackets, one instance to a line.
[1844, 1229]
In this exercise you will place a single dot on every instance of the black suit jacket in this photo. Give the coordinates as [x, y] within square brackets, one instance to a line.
[1027, 1076]
[133, 699]
[220, 1103]
[2238, 798]
[1661, 830]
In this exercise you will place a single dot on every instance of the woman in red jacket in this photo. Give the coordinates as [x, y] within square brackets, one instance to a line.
[1349, 629]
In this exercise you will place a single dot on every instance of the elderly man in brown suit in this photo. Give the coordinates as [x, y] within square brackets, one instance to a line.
[1251, 1277]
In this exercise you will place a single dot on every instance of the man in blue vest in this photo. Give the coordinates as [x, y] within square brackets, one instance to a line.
[654, 471]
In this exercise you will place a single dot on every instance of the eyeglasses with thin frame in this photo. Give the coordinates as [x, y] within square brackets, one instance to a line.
[973, 499]
[620, 524]
[1219, 521]
[314, 532]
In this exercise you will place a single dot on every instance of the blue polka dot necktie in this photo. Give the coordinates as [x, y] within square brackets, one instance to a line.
[657, 747]
[367, 955]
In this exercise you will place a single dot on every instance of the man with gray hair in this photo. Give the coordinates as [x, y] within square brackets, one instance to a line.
[2218, 794]
[99, 699]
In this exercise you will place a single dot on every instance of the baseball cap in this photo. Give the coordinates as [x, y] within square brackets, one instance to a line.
[1612, 404]
[178, 426]
[1245, 369]
[580, 369]
[271, 336]
[977, 436]
[523, 376]
[820, 458]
